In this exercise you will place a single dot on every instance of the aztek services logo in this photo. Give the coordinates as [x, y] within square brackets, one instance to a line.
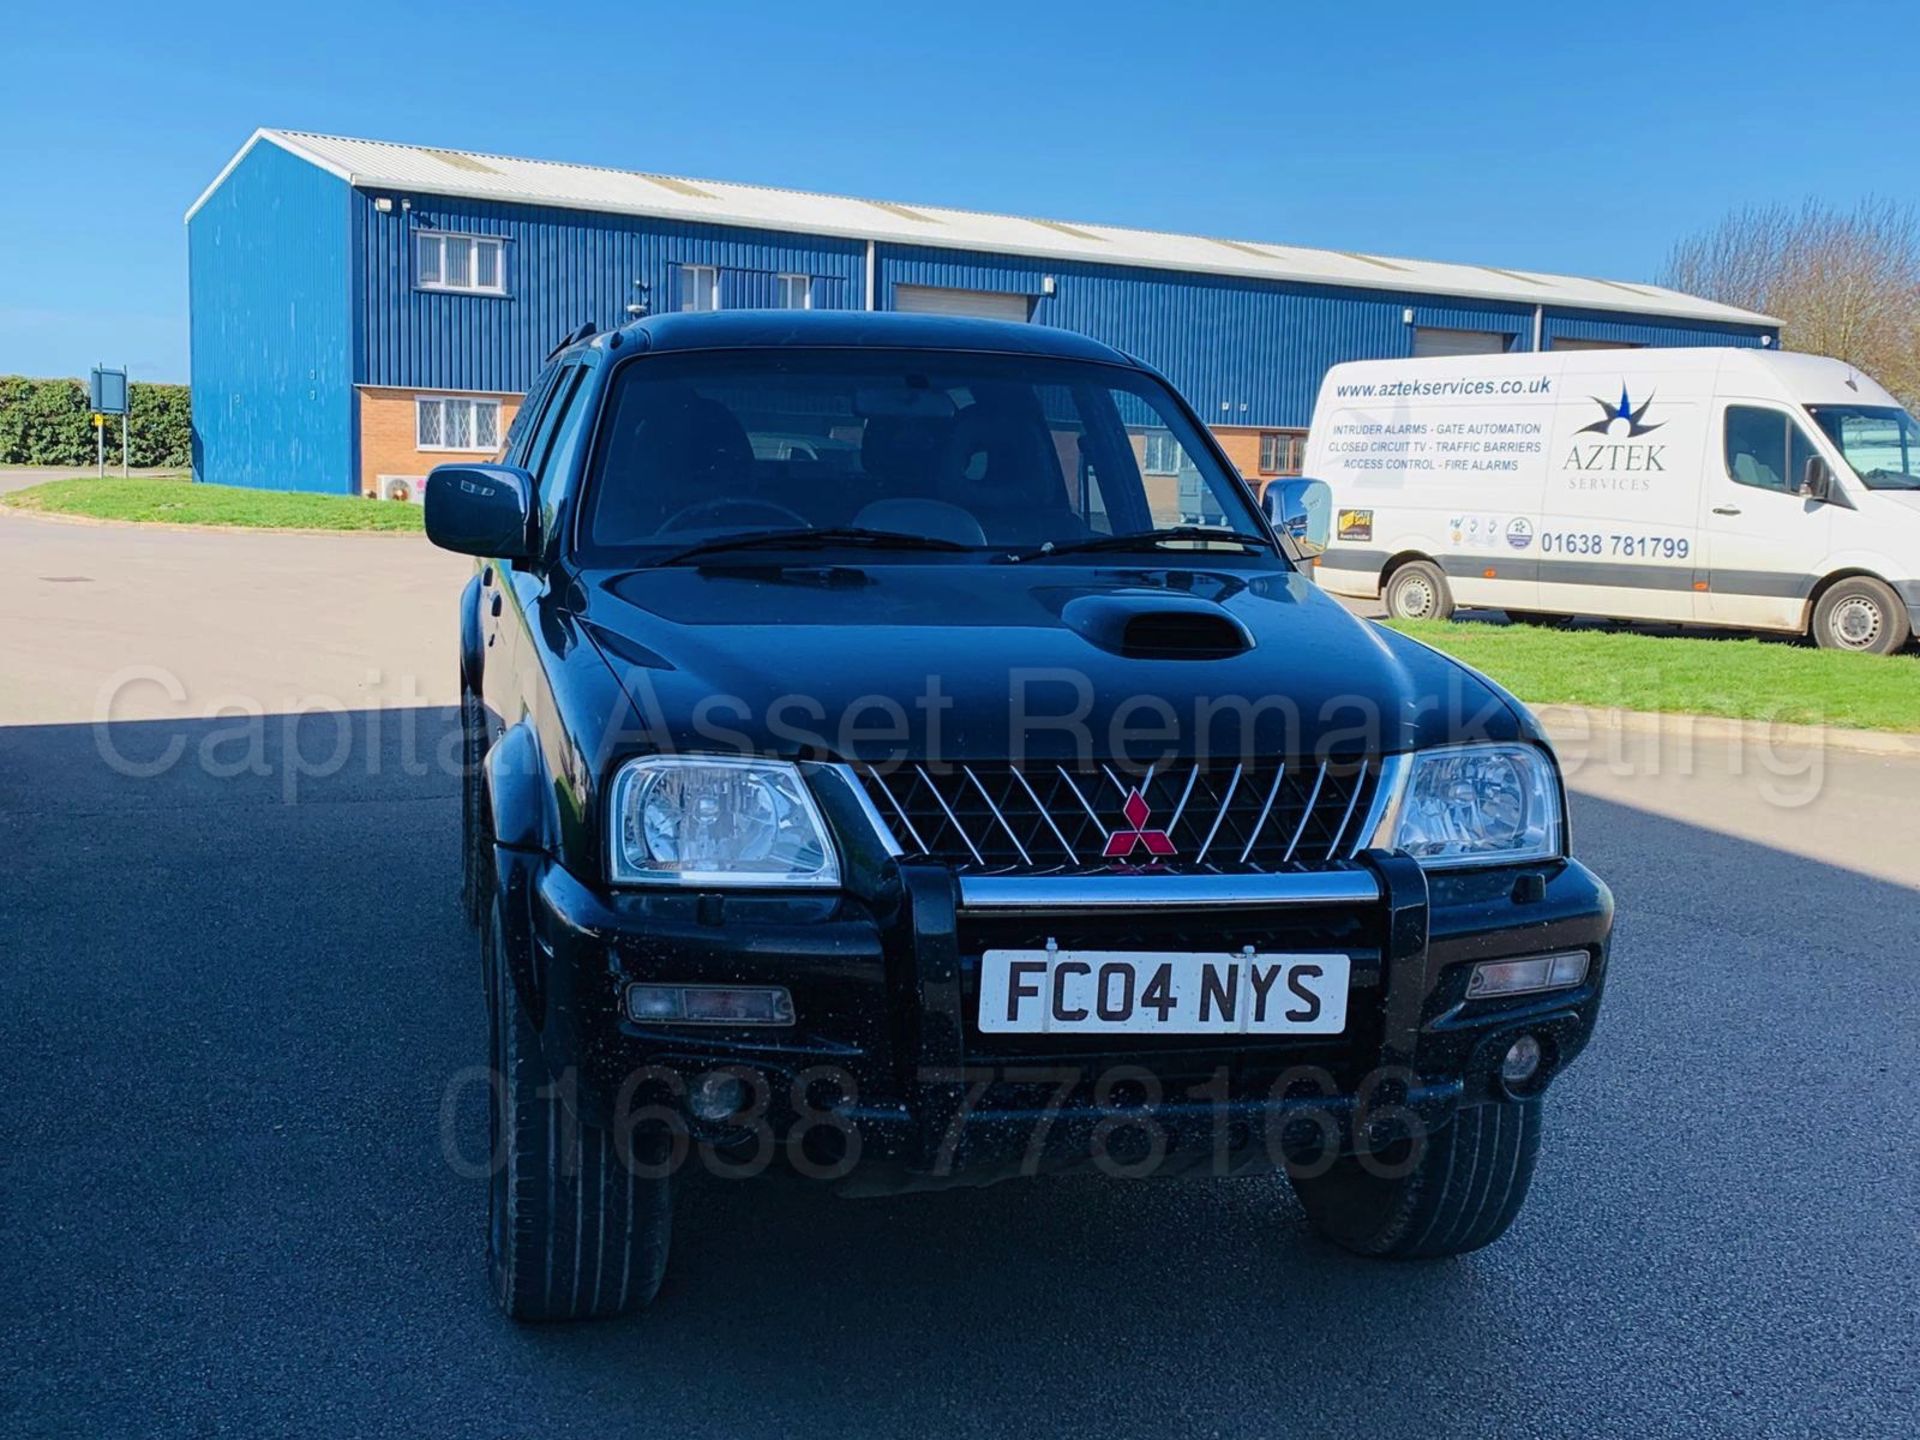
[1618, 459]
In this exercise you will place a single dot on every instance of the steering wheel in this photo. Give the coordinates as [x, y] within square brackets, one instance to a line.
[700, 510]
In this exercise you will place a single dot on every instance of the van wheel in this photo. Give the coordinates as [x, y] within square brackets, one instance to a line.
[1418, 591]
[1862, 615]
[1467, 1183]
[1536, 617]
[574, 1231]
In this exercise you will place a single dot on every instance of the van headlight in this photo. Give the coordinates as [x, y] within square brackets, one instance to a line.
[716, 820]
[1479, 805]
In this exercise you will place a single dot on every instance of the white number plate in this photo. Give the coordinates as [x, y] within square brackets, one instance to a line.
[1054, 992]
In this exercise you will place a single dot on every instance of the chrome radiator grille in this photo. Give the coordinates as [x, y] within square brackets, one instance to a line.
[993, 816]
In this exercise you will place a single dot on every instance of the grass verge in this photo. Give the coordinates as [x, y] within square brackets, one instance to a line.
[179, 502]
[1739, 679]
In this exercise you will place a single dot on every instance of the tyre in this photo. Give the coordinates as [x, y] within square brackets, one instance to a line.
[1467, 1183]
[475, 874]
[1418, 591]
[1536, 617]
[574, 1231]
[1863, 615]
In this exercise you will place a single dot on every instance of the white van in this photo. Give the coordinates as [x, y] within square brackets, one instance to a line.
[1733, 487]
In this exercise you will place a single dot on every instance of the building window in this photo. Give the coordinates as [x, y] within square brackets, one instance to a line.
[475, 264]
[1164, 454]
[1280, 451]
[456, 422]
[793, 292]
[699, 287]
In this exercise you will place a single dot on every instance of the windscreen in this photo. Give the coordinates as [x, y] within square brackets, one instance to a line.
[1881, 443]
[986, 452]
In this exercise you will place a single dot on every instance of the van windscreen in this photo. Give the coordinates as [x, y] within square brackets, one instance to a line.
[1881, 443]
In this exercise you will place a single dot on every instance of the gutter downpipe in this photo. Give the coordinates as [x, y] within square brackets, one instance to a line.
[872, 287]
[1539, 327]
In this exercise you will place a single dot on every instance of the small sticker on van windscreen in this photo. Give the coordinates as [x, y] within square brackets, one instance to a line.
[1356, 524]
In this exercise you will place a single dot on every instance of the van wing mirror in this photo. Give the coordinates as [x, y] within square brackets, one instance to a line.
[1303, 510]
[1816, 481]
[485, 510]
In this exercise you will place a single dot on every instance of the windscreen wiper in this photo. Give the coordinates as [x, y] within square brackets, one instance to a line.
[1146, 540]
[813, 537]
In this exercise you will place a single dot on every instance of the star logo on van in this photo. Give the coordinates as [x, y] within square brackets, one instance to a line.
[1622, 414]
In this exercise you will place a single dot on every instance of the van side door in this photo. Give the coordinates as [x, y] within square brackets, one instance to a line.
[1764, 541]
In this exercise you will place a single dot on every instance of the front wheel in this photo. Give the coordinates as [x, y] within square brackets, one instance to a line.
[1863, 615]
[1463, 1187]
[1418, 591]
[578, 1225]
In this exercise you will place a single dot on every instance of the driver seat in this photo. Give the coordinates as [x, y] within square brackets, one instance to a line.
[682, 450]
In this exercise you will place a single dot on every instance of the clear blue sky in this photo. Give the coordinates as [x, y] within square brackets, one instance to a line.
[1571, 137]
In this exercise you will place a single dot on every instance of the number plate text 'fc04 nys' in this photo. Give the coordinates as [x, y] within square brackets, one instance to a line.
[1037, 992]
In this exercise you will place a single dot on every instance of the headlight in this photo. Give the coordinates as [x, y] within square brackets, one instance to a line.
[1479, 805]
[716, 820]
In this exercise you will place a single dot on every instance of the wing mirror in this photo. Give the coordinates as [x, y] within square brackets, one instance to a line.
[1816, 481]
[1302, 510]
[485, 510]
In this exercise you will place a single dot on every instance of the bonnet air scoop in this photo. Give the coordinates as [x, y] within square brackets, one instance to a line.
[1157, 626]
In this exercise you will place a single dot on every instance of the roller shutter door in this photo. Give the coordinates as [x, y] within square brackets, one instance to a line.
[1561, 342]
[976, 304]
[1430, 340]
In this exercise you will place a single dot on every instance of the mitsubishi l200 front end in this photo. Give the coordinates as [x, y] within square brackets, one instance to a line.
[901, 753]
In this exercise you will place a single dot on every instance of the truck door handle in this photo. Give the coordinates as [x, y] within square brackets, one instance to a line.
[1726, 509]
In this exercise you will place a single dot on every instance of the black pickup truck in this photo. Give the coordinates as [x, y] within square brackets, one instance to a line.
[901, 752]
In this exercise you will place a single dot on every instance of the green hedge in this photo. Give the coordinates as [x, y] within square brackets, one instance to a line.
[45, 422]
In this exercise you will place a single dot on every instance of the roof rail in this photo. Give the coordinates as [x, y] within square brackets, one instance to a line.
[580, 332]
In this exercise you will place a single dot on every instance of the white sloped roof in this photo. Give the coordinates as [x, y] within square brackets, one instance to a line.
[377, 164]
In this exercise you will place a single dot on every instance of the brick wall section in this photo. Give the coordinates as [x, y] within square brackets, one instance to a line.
[387, 435]
[1242, 447]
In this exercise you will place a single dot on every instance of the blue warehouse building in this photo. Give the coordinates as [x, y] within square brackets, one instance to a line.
[362, 311]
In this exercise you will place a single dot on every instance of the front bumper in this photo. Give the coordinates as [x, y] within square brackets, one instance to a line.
[885, 1082]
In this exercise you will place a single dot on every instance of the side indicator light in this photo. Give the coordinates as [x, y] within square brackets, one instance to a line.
[709, 1005]
[1524, 977]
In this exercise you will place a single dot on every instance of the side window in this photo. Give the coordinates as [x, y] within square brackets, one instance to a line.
[571, 413]
[1766, 449]
[527, 418]
[540, 450]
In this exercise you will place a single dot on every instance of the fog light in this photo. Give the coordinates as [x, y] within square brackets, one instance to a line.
[1521, 1062]
[1523, 977]
[709, 1005]
[717, 1095]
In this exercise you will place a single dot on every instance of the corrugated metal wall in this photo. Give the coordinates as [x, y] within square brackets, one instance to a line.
[1583, 325]
[1245, 352]
[562, 267]
[270, 328]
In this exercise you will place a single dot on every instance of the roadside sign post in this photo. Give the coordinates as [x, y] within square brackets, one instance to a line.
[107, 391]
